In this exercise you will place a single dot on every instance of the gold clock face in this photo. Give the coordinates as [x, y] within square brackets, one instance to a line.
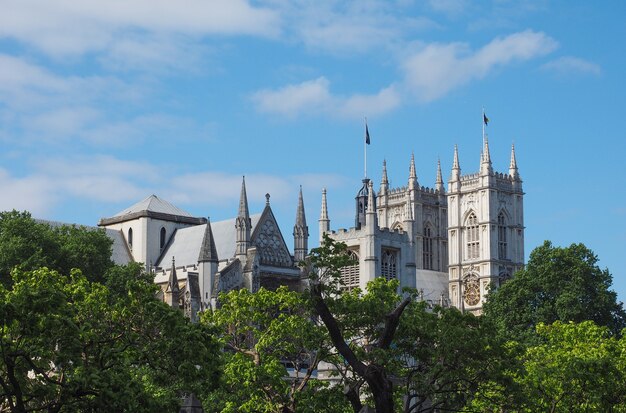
[471, 293]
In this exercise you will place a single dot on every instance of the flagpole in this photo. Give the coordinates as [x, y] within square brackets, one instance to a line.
[365, 149]
[483, 121]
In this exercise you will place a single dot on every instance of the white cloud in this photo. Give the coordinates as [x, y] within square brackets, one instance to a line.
[60, 27]
[437, 69]
[570, 64]
[313, 97]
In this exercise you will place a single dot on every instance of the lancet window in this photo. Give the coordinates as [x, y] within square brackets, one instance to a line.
[472, 237]
[502, 242]
[130, 238]
[162, 238]
[428, 248]
[389, 264]
[350, 273]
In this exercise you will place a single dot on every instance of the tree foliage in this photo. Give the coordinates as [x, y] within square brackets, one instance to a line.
[71, 345]
[272, 347]
[557, 284]
[29, 245]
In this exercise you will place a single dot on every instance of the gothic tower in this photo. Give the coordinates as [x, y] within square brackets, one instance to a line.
[485, 230]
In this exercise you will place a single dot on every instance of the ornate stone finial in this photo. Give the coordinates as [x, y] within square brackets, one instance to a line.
[300, 215]
[267, 199]
[456, 169]
[485, 166]
[439, 182]
[412, 173]
[384, 182]
[324, 211]
[513, 171]
[243, 201]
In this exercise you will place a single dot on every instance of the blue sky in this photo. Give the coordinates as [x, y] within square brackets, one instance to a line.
[105, 103]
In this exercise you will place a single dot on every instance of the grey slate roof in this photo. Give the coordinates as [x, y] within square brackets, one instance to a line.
[154, 204]
[186, 243]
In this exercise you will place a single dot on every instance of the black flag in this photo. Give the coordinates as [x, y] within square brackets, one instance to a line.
[367, 135]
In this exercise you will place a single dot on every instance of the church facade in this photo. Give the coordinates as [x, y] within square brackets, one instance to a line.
[194, 259]
[452, 246]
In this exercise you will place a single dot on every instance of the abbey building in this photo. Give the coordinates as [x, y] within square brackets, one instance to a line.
[452, 246]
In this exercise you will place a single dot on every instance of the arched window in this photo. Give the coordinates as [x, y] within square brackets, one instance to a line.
[428, 248]
[350, 274]
[389, 264]
[130, 238]
[472, 237]
[502, 237]
[162, 238]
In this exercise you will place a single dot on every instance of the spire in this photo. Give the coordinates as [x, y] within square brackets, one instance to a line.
[324, 213]
[485, 162]
[208, 250]
[384, 183]
[412, 174]
[324, 222]
[439, 183]
[243, 201]
[513, 171]
[370, 215]
[172, 291]
[456, 169]
[300, 216]
[243, 224]
[300, 232]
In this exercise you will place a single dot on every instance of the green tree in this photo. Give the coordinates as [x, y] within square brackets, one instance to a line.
[563, 284]
[71, 345]
[397, 351]
[578, 368]
[29, 245]
[272, 347]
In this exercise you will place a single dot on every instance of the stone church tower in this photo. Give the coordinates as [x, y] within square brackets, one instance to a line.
[485, 230]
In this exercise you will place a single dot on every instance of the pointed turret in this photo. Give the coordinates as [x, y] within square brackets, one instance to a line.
[439, 183]
[300, 232]
[384, 182]
[370, 215]
[513, 171]
[456, 169]
[172, 290]
[208, 250]
[412, 174]
[324, 222]
[485, 164]
[243, 224]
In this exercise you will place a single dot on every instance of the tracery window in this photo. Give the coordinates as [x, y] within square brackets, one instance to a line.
[472, 236]
[428, 248]
[389, 264]
[350, 274]
[502, 243]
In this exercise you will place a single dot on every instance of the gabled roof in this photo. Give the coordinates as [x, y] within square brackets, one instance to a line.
[153, 207]
[154, 204]
[186, 243]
